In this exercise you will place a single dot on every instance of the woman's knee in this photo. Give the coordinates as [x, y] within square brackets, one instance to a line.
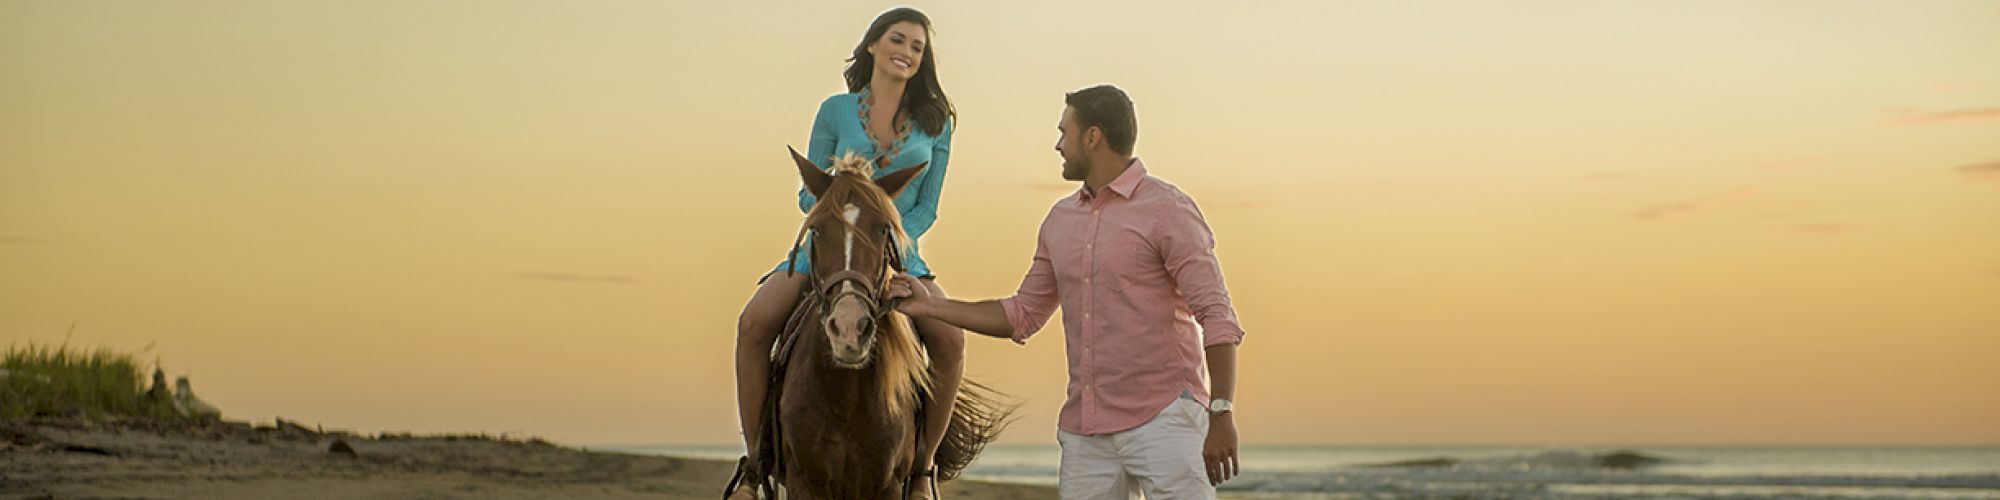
[755, 326]
[938, 336]
[942, 338]
[761, 319]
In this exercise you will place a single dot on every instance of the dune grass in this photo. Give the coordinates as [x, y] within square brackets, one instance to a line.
[65, 381]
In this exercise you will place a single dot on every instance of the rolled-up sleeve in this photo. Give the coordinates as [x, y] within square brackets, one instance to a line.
[1032, 305]
[1189, 251]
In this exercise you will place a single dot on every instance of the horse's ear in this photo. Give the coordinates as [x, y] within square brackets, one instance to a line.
[897, 180]
[816, 180]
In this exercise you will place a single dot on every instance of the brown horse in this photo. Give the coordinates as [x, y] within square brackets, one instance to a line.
[849, 375]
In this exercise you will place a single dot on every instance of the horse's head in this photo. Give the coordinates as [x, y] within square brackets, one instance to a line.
[857, 240]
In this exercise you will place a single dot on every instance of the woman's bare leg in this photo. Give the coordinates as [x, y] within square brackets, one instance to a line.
[946, 345]
[756, 329]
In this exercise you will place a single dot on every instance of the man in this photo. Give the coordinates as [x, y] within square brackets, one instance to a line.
[1132, 264]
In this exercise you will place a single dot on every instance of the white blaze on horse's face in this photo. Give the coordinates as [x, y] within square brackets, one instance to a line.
[853, 216]
[849, 327]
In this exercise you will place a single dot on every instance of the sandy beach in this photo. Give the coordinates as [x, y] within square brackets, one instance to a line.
[79, 458]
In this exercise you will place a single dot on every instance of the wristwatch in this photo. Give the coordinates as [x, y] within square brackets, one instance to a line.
[1220, 406]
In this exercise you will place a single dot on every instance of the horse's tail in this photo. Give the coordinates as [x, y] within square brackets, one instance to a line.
[977, 417]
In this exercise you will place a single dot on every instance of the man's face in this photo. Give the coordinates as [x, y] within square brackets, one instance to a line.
[1070, 145]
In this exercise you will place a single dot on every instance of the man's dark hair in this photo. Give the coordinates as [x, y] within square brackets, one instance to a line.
[1108, 109]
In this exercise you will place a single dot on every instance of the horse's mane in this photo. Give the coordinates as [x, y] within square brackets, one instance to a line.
[853, 182]
[903, 370]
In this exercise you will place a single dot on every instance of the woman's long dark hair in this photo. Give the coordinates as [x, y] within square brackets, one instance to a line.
[923, 98]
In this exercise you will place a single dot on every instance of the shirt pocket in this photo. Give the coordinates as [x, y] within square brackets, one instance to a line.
[1133, 264]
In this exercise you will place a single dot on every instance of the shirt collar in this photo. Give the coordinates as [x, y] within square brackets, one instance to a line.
[1126, 182]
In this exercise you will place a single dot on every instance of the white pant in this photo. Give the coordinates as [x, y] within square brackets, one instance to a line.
[1161, 458]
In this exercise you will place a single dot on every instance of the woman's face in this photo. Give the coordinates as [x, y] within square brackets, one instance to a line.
[900, 50]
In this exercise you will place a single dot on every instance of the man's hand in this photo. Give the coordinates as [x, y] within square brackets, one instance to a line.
[1219, 451]
[918, 300]
[916, 297]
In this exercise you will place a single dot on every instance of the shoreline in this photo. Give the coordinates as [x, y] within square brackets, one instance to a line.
[138, 458]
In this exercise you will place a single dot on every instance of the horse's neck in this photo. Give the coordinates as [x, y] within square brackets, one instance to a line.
[812, 375]
[838, 435]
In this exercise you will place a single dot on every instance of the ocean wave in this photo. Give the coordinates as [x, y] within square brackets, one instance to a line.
[1551, 459]
[1573, 475]
[1557, 474]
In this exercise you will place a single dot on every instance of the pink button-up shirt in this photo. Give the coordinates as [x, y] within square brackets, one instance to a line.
[1133, 267]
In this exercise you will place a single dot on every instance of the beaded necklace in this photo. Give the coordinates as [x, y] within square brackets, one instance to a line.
[902, 132]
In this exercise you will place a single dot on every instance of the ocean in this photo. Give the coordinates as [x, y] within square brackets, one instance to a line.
[1548, 472]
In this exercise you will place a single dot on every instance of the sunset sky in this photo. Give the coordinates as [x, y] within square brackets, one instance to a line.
[1538, 222]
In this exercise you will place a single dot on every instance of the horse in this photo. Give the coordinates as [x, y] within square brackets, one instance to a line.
[848, 373]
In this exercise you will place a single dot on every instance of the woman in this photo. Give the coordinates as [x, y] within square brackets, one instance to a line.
[895, 111]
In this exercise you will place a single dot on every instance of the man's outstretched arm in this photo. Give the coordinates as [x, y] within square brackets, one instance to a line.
[987, 317]
[1014, 318]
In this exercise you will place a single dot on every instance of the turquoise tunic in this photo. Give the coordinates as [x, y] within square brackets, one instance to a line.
[838, 130]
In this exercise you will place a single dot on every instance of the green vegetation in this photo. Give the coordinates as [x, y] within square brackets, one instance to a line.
[64, 381]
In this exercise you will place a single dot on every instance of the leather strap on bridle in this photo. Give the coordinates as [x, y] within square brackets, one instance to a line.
[868, 289]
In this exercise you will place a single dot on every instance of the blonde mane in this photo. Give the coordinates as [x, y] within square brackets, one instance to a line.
[853, 182]
[904, 370]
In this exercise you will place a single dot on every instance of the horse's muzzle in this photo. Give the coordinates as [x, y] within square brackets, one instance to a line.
[853, 350]
[851, 357]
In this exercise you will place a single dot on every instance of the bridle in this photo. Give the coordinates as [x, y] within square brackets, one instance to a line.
[828, 289]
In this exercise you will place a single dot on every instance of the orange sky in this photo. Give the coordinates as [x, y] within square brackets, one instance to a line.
[1531, 222]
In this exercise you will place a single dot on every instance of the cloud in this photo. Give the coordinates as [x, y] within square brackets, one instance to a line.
[1917, 117]
[1665, 209]
[1792, 164]
[1819, 228]
[1981, 173]
[1612, 178]
[575, 278]
[1726, 199]
[1741, 192]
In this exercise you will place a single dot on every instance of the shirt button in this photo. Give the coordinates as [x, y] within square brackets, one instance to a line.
[1086, 281]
